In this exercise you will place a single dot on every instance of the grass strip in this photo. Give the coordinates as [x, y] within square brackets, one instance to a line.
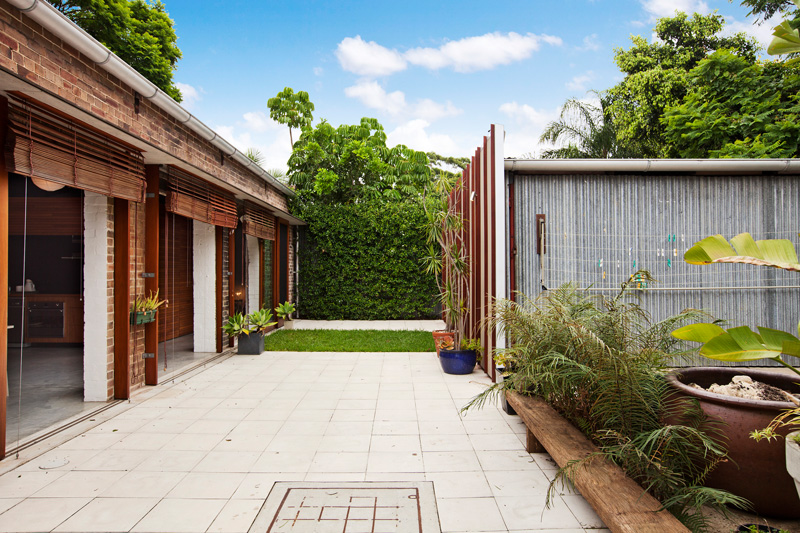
[330, 340]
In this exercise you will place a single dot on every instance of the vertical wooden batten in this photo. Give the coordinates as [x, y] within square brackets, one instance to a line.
[151, 254]
[122, 299]
[220, 273]
[3, 277]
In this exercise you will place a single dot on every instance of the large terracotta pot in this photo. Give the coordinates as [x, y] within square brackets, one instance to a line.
[443, 340]
[756, 470]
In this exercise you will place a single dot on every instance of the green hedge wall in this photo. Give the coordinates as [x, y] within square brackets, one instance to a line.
[363, 262]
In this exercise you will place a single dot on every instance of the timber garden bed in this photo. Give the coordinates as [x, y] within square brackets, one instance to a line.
[620, 502]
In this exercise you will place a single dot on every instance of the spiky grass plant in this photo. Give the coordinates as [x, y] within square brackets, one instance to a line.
[601, 363]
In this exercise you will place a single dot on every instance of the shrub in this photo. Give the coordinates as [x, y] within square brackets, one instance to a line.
[362, 261]
[601, 363]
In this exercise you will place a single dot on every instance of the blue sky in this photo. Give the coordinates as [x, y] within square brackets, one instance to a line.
[435, 74]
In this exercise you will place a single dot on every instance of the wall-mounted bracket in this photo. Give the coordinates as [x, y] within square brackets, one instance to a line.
[148, 355]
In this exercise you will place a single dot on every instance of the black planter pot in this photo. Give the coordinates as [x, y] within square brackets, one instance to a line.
[458, 361]
[252, 344]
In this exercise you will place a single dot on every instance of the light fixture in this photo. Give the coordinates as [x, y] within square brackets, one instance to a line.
[47, 185]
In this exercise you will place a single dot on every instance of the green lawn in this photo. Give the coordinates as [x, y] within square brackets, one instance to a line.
[329, 340]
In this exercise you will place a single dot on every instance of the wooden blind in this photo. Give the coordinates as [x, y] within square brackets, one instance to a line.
[44, 145]
[258, 222]
[197, 199]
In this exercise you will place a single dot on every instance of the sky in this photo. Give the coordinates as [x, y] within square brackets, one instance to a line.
[436, 74]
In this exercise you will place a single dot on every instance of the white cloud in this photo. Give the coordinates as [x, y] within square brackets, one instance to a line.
[479, 53]
[368, 58]
[371, 94]
[258, 121]
[590, 42]
[414, 134]
[762, 32]
[470, 54]
[190, 95]
[319, 71]
[431, 111]
[529, 123]
[578, 83]
[667, 8]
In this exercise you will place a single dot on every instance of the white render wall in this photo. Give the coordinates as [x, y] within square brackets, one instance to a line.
[95, 297]
[205, 287]
[253, 277]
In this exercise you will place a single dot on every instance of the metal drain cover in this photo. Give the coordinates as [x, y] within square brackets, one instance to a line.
[349, 508]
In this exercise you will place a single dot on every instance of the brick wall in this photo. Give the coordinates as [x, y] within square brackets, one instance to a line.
[137, 248]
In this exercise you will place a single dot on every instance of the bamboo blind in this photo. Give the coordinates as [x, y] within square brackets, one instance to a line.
[197, 199]
[258, 222]
[44, 145]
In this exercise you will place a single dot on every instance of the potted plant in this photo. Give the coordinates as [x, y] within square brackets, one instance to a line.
[144, 309]
[755, 470]
[791, 419]
[284, 312]
[249, 330]
[447, 258]
[461, 361]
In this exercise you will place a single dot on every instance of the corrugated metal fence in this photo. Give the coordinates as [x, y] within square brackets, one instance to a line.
[599, 229]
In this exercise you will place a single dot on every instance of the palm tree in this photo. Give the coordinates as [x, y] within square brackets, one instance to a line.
[583, 131]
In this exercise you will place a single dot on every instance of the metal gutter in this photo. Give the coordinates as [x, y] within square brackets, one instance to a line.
[585, 166]
[54, 21]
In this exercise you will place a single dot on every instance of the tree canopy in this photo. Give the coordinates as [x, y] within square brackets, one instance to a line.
[735, 108]
[291, 108]
[139, 33]
[583, 130]
[656, 75]
[351, 162]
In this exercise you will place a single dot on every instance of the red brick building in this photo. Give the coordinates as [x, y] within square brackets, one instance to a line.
[110, 190]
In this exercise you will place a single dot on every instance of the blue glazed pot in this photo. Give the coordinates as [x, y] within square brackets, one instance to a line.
[458, 361]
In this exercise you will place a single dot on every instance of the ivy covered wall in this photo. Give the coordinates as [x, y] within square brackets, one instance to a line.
[362, 261]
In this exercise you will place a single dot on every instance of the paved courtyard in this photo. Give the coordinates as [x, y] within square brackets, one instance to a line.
[204, 452]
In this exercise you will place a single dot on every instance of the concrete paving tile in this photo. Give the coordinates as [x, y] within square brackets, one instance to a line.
[530, 513]
[108, 515]
[201, 485]
[395, 427]
[395, 462]
[142, 484]
[344, 443]
[80, 484]
[288, 442]
[503, 441]
[233, 461]
[94, 441]
[441, 427]
[143, 441]
[283, 462]
[586, 515]
[349, 428]
[462, 461]
[18, 484]
[237, 516]
[257, 486]
[8, 503]
[180, 516]
[171, 461]
[445, 443]
[339, 462]
[507, 460]
[57, 456]
[459, 484]
[40, 514]
[469, 515]
[115, 460]
[395, 443]
[508, 484]
[193, 442]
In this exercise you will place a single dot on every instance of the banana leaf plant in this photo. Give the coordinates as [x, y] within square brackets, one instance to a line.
[786, 39]
[742, 344]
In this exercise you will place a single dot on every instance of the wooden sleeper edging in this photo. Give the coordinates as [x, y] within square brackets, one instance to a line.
[621, 503]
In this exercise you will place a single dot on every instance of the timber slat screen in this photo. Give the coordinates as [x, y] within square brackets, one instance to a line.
[258, 222]
[197, 199]
[42, 144]
[476, 201]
